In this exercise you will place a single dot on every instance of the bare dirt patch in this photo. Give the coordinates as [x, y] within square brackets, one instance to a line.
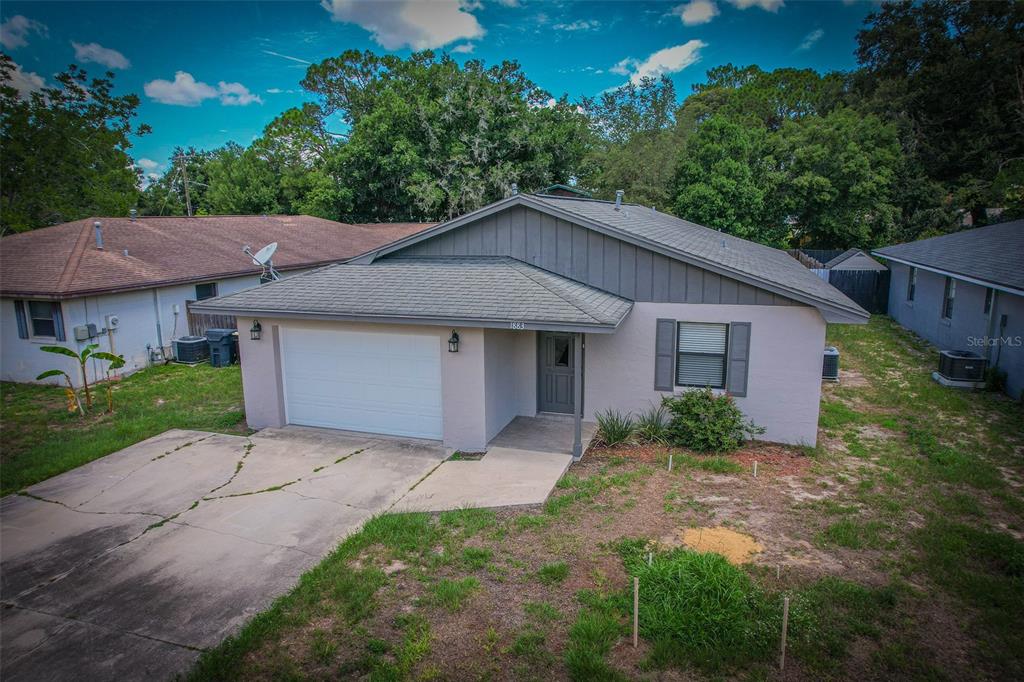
[738, 548]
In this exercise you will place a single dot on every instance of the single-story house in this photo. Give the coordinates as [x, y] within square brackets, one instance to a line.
[144, 271]
[537, 304]
[965, 291]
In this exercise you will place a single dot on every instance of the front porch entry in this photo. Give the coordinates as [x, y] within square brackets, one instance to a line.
[556, 364]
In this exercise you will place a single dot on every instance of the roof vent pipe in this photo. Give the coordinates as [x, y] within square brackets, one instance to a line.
[98, 227]
[618, 199]
[132, 214]
[515, 189]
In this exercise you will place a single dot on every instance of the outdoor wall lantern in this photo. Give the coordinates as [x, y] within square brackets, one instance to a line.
[256, 331]
[453, 342]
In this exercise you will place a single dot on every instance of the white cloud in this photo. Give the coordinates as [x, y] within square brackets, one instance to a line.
[148, 165]
[14, 32]
[25, 82]
[810, 39]
[696, 12]
[236, 95]
[669, 60]
[464, 48]
[408, 23]
[186, 91]
[579, 25]
[766, 5]
[94, 52]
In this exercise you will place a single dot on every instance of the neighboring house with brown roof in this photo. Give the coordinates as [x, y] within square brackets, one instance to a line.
[144, 271]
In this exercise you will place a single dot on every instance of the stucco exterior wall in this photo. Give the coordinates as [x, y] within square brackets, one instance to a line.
[969, 326]
[784, 377]
[138, 311]
[462, 376]
[510, 376]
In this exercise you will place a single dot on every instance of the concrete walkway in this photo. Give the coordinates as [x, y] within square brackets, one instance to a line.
[521, 467]
[126, 568]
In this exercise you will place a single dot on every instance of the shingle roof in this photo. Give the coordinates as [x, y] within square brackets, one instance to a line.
[991, 254]
[732, 254]
[63, 261]
[465, 289]
[849, 253]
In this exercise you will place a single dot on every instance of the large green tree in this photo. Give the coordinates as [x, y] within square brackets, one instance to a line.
[636, 142]
[65, 150]
[725, 179]
[836, 177]
[951, 73]
[429, 138]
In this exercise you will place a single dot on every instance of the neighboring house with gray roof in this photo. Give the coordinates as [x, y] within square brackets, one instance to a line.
[965, 291]
[537, 304]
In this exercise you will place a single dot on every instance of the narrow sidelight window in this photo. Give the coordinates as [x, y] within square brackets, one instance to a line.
[701, 354]
[989, 295]
[911, 283]
[948, 297]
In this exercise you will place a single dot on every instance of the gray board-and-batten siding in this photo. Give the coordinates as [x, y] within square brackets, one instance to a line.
[587, 256]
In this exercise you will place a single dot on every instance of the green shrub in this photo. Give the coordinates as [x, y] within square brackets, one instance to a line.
[614, 427]
[697, 608]
[652, 425]
[702, 421]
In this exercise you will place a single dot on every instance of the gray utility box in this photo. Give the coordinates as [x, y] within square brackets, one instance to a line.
[830, 365]
[84, 332]
[191, 349]
[223, 346]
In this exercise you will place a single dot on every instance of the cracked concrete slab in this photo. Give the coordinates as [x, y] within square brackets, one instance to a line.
[127, 566]
[504, 477]
[82, 651]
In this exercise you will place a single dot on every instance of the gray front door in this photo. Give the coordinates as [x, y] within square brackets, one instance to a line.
[556, 371]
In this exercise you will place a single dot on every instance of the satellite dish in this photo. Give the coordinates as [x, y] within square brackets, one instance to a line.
[263, 256]
[262, 259]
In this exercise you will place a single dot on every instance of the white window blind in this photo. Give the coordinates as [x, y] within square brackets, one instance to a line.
[700, 358]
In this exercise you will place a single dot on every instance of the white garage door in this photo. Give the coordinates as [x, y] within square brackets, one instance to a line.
[362, 381]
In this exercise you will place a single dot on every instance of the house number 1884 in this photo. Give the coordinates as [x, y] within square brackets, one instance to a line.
[517, 325]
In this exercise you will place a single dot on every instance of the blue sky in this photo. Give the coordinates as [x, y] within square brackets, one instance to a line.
[210, 72]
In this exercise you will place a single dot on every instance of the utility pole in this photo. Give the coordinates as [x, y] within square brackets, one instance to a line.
[184, 175]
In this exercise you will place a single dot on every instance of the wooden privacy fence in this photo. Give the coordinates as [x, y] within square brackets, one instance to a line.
[198, 323]
[869, 288]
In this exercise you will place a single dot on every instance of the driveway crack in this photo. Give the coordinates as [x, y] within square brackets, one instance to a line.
[242, 537]
[119, 631]
[32, 496]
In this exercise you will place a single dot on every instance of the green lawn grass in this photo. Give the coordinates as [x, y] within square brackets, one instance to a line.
[42, 439]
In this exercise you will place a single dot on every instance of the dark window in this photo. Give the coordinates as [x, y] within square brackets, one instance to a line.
[911, 284]
[42, 313]
[948, 297]
[561, 352]
[700, 354]
[204, 291]
[989, 295]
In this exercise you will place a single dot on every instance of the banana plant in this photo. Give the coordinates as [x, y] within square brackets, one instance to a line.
[116, 362]
[81, 358]
[73, 402]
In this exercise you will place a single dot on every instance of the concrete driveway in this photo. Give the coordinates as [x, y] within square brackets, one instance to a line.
[128, 567]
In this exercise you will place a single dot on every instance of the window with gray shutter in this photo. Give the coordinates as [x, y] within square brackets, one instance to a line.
[739, 358]
[701, 354]
[664, 354]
